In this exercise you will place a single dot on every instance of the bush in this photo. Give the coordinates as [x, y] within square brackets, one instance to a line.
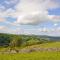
[15, 42]
[32, 42]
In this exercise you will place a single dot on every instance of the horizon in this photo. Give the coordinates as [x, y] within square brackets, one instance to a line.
[30, 34]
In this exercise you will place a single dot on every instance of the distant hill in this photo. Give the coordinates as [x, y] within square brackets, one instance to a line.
[53, 38]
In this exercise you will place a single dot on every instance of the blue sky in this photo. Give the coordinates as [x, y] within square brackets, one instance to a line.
[40, 17]
[55, 11]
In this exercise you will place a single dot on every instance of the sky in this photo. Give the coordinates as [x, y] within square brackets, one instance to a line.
[39, 17]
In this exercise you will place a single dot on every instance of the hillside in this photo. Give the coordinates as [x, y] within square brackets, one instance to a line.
[25, 40]
[29, 47]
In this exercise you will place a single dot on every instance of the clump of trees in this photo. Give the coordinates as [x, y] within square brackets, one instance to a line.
[10, 40]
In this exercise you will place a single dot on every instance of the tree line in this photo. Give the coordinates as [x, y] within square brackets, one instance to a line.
[11, 40]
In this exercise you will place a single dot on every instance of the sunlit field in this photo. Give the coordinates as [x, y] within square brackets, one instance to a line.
[32, 56]
[35, 55]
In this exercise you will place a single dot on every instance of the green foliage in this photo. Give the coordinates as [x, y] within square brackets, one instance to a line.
[16, 41]
[4, 39]
[20, 40]
[32, 42]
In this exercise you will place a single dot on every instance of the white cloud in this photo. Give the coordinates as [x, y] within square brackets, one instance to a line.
[32, 18]
[54, 17]
[40, 31]
[26, 7]
[36, 18]
[35, 11]
[31, 11]
[5, 29]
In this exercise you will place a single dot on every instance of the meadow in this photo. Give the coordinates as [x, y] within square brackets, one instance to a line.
[35, 55]
[31, 56]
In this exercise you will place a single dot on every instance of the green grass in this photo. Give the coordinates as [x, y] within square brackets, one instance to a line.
[32, 56]
[52, 44]
[43, 55]
[45, 45]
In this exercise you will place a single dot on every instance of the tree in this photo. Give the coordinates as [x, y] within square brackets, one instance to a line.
[15, 42]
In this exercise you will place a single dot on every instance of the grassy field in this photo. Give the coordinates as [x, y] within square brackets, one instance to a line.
[47, 45]
[41, 55]
[32, 56]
